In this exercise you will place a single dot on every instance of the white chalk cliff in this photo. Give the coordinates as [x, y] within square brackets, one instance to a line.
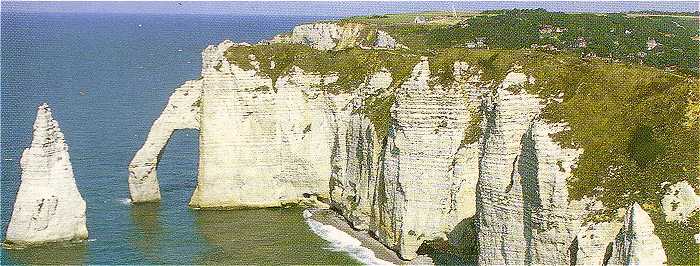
[524, 212]
[266, 143]
[636, 243]
[48, 206]
[357, 155]
[423, 198]
[593, 241]
[334, 36]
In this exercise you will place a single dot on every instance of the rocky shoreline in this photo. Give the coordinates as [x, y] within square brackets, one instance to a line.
[332, 218]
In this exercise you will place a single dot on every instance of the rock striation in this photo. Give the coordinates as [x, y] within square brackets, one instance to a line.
[594, 243]
[524, 212]
[265, 144]
[357, 155]
[323, 36]
[48, 206]
[262, 144]
[636, 243]
[422, 197]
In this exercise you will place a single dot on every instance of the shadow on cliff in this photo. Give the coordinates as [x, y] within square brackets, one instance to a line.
[527, 170]
[461, 247]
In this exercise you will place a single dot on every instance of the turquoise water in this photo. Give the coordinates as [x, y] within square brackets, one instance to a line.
[128, 72]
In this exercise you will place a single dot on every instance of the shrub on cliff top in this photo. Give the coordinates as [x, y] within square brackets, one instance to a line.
[352, 65]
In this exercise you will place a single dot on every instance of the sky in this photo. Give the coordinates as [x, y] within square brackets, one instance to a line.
[331, 9]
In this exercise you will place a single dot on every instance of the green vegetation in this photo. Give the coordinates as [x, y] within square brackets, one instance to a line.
[676, 237]
[351, 65]
[378, 110]
[617, 37]
[632, 123]
[433, 18]
[664, 13]
[473, 132]
[354, 65]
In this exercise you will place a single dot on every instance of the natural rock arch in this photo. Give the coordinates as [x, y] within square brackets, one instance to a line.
[181, 112]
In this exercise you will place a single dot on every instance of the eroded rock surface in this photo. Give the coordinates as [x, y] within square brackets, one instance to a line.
[333, 36]
[524, 213]
[636, 244]
[48, 206]
[421, 196]
[356, 162]
[262, 144]
[323, 36]
[594, 242]
[181, 111]
[265, 143]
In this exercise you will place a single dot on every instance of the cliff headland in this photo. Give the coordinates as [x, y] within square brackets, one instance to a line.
[505, 137]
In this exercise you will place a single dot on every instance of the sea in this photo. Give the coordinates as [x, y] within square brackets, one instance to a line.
[107, 76]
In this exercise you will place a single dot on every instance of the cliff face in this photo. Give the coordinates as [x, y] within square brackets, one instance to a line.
[357, 151]
[421, 197]
[261, 144]
[266, 141]
[332, 36]
[265, 144]
[593, 242]
[524, 214]
[48, 206]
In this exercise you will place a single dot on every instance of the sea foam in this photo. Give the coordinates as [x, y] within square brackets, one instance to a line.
[341, 241]
[125, 201]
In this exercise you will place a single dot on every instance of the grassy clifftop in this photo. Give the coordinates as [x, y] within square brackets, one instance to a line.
[634, 110]
[617, 37]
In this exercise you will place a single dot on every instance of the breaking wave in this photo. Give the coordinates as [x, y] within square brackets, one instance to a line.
[341, 241]
[125, 201]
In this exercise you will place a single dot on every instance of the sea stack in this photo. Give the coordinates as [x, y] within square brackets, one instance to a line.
[48, 207]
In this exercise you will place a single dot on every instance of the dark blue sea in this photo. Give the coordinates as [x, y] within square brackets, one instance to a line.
[127, 72]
